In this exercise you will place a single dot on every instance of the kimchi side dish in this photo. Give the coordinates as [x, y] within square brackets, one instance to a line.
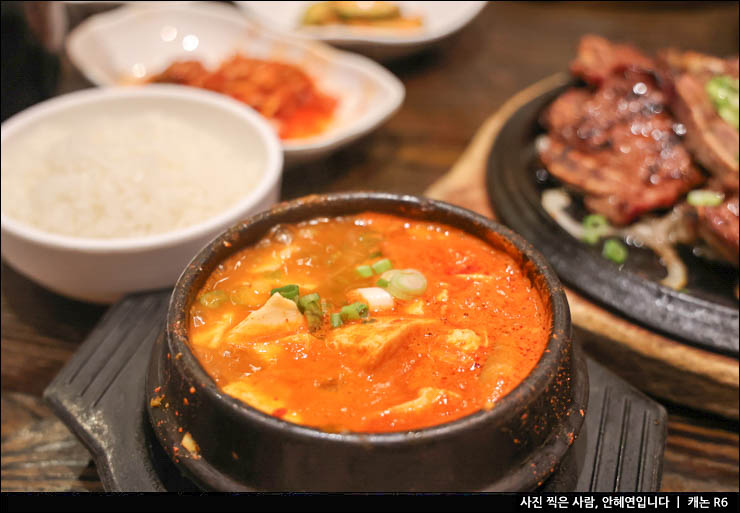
[368, 323]
[284, 94]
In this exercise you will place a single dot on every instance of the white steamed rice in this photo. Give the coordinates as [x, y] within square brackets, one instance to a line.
[139, 175]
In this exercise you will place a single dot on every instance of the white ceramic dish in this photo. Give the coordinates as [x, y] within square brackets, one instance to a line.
[103, 270]
[440, 20]
[132, 41]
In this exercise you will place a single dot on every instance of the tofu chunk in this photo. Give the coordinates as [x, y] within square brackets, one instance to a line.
[375, 298]
[278, 316]
[465, 340]
[275, 260]
[211, 335]
[267, 352]
[374, 342]
[267, 403]
[427, 396]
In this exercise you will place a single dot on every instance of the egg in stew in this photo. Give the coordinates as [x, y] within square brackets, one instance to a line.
[368, 323]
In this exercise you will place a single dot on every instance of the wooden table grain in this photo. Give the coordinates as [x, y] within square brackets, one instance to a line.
[450, 91]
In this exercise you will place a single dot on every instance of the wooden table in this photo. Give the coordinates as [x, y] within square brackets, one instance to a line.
[449, 92]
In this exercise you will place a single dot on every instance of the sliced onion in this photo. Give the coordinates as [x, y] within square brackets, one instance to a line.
[555, 201]
[677, 276]
[659, 234]
[375, 297]
[405, 284]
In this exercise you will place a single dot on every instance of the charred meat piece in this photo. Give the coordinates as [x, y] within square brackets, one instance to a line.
[618, 146]
[599, 59]
[711, 139]
[584, 118]
[623, 194]
[718, 226]
[676, 62]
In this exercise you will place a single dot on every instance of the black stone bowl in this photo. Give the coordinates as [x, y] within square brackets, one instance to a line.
[513, 446]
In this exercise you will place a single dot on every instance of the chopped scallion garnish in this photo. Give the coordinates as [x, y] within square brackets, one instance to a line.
[723, 92]
[364, 271]
[308, 301]
[405, 284]
[213, 299]
[704, 198]
[310, 306]
[354, 311]
[382, 266]
[595, 226]
[615, 251]
[336, 320]
[288, 291]
[382, 282]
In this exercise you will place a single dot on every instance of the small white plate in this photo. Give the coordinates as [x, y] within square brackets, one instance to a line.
[440, 20]
[130, 42]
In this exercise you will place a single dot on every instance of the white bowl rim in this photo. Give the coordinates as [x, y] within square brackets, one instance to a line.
[386, 40]
[394, 89]
[270, 178]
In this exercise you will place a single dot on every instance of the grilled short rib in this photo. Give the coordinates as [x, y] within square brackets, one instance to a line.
[616, 142]
[711, 139]
[718, 226]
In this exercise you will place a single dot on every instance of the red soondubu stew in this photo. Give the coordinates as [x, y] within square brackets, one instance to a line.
[368, 323]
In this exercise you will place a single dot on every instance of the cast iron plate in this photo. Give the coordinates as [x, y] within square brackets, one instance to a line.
[705, 314]
[100, 395]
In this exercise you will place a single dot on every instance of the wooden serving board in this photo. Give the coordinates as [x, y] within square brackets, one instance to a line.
[660, 366]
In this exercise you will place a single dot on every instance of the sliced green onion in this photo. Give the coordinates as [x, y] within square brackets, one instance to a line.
[615, 251]
[723, 92]
[362, 309]
[273, 275]
[595, 221]
[376, 254]
[336, 320]
[382, 266]
[705, 198]
[382, 283]
[405, 284]
[310, 306]
[348, 313]
[595, 226]
[354, 311]
[364, 270]
[310, 301]
[213, 299]
[314, 320]
[590, 237]
[288, 291]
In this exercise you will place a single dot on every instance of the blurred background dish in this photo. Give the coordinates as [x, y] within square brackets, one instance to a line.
[132, 44]
[419, 25]
[112, 191]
